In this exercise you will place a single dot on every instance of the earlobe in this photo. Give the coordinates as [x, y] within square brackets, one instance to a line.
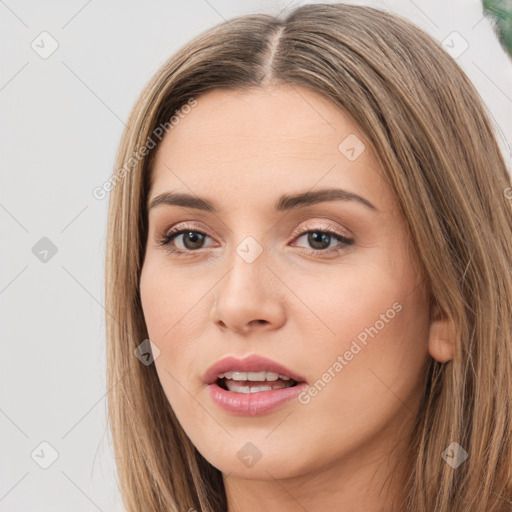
[441, 342]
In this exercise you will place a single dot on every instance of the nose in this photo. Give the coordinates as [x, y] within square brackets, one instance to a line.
[249, 298]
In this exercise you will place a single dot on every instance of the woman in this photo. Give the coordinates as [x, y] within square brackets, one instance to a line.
[309, 253]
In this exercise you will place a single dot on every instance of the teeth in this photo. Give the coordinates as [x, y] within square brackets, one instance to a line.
[236, 387]
[253, 376]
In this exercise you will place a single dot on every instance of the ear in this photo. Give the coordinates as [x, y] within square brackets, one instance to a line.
[441, 340]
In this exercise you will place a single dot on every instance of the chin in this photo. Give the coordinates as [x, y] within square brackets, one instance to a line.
[248, 462]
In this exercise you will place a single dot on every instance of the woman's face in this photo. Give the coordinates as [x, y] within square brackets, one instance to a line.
[323, 285]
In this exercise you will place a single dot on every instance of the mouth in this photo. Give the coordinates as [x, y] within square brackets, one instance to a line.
[252, 386]
[253, 382]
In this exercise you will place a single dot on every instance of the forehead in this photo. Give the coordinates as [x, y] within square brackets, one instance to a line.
[260, 140]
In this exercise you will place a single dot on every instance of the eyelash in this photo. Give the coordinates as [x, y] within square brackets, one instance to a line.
[165, 240]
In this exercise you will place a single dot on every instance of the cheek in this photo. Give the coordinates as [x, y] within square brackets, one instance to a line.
[365, 382]
[173, 304]
[350, 297]
[173, 324]
[156, 299]
[175, 307]
[367, 342]
[341, 302]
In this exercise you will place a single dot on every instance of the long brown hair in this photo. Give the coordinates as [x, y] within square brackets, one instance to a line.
[434, 140]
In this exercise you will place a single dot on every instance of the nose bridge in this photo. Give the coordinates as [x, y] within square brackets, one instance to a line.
[248, 270]
[246, 295]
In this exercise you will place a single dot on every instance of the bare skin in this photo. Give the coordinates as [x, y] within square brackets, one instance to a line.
[342, 448]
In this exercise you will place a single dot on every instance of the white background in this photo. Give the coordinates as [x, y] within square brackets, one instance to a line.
[61, 120]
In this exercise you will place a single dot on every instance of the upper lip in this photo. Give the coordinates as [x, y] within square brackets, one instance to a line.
[251, 363]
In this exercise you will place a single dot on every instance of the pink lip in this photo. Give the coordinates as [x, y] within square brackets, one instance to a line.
[251, 404]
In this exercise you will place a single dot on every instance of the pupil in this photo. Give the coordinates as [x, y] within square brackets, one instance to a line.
[196, 238]
[317, 237]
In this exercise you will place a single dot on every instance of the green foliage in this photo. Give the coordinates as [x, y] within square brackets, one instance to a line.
[500, 14]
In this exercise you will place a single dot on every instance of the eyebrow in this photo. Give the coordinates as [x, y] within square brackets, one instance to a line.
[284, 203]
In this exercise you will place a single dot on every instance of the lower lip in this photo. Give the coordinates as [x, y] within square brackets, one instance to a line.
[253, 404]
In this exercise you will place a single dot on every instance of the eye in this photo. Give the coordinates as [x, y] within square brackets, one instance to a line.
[321, 239]
[192, 240]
